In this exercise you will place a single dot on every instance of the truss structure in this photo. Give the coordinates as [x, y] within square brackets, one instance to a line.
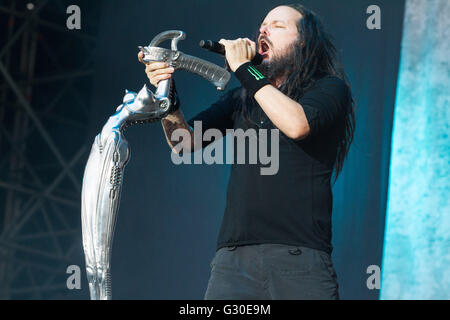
[46, 76]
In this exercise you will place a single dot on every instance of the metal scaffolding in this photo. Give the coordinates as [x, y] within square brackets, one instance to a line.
[46, 73]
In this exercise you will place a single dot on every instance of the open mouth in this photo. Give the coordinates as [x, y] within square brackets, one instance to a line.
[263, 47]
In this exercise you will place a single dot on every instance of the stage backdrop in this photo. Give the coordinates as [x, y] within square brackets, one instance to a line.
[417, 243]
[170, 215]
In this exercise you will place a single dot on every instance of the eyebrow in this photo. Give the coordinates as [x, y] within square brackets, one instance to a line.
[275, 21]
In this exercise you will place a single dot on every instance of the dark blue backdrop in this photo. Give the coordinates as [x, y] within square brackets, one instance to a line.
[170, 215]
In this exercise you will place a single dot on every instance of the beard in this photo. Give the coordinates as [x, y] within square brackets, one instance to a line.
[279, 65]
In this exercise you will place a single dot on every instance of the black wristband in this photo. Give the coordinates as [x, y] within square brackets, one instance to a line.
[251, 78]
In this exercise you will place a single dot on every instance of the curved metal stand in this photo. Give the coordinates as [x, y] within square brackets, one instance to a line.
[110, 153]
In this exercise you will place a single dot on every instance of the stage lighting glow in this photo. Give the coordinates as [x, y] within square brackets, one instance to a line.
[416, 258]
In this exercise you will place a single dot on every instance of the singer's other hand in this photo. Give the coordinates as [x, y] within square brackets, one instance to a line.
[156, 71]
[238, 52]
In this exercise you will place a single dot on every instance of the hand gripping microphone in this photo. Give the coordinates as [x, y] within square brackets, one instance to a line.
[220, 49]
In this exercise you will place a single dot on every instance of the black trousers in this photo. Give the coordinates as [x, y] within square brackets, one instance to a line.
[271, 271]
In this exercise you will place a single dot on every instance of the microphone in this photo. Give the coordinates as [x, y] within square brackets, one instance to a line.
[219, 48]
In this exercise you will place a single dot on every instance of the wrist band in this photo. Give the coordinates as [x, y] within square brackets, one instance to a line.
[251, 78]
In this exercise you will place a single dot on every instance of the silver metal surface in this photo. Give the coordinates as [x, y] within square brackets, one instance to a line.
[218, 76]
[102, 184]
[110, 153]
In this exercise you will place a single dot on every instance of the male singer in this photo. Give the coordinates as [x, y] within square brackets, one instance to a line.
[275, 238]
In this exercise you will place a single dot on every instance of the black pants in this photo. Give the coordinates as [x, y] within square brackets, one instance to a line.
[271, 271]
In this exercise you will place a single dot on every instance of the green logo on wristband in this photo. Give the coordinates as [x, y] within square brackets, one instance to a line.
[254, 72]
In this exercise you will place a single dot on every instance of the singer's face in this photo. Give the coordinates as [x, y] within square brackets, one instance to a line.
[277, 32]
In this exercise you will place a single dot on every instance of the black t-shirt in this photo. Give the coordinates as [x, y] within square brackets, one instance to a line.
[293, 206]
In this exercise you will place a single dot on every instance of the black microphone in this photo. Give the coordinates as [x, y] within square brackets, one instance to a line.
[219, 48]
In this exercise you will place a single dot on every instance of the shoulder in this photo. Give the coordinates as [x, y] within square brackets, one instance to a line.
[230, 100]
[230, 95]
[331, 81]
[235, 92]
[333, 84]
[333, 87]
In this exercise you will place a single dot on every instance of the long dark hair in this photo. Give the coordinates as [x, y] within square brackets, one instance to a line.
[315, 54]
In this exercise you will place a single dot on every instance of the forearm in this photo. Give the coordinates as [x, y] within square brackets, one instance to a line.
[285, 113]
[173, 122]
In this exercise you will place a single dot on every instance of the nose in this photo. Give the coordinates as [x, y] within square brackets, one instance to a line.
[263, 30]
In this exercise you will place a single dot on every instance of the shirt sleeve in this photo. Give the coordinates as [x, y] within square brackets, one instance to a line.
[326, 104]
[220, 114]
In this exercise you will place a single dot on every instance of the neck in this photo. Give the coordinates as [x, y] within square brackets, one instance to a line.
[277, 82]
